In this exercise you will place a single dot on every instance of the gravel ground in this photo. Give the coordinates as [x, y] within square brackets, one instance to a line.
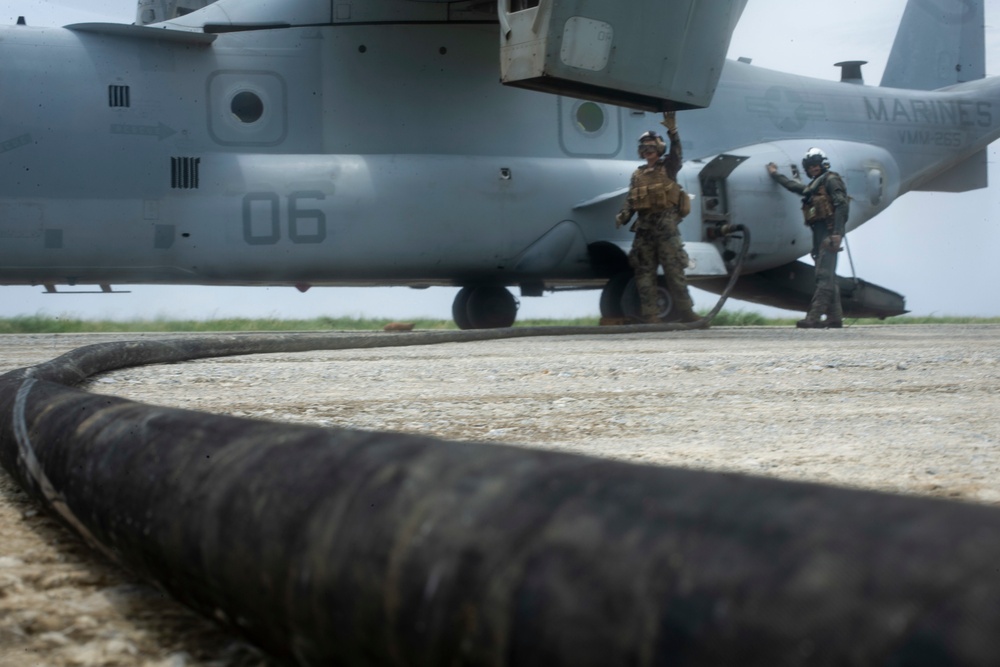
[902, 409]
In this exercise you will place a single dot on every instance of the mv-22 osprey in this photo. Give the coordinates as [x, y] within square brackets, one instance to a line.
[369, 142]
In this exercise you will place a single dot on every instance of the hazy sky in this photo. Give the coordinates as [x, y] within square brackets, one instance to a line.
[937, 249]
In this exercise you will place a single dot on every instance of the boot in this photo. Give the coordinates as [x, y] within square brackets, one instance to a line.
[833, 324]
[814, 316]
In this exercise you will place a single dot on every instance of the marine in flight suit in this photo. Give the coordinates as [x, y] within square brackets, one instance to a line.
[825, 207]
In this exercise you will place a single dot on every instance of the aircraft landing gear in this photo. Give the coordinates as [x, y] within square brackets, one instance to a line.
[484, 307]
[632, 306]
[611, 295]
[620, 298]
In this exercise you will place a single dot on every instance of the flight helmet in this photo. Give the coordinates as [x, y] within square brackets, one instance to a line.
[652, 139]
[815, 158]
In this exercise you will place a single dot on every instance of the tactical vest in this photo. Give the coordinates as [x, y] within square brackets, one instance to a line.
[817, 204]
[653, 190]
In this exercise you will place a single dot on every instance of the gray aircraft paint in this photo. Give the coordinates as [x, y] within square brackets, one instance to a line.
[389, 154]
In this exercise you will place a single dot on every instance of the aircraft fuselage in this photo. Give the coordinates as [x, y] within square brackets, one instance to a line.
[389, 154]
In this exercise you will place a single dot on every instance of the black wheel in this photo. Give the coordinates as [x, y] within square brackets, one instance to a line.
[611, 295]
[459, 308]
[489, 307]
[632, 306]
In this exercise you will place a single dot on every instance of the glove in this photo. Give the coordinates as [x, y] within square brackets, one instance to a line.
[669, 121]
[622, 219]
[835, 242]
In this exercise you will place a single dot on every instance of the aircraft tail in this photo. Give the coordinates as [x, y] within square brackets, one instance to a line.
[939, 43]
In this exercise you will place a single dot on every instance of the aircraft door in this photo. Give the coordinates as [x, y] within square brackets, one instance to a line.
[715, 197]
[589, 129]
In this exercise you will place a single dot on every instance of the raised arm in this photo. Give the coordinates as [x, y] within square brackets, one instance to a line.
[674, 158]
[784, 181]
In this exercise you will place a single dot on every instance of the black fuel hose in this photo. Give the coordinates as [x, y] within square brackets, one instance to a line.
[734, 274]
[340, 547]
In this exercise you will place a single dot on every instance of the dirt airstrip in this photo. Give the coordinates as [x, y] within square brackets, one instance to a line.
[912, 409]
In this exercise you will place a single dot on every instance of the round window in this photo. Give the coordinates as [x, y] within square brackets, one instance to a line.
[590, 117]
[247, 106]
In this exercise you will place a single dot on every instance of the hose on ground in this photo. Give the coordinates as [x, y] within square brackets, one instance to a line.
[333, 546]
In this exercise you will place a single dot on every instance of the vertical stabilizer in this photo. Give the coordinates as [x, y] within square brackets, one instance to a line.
[939, 43]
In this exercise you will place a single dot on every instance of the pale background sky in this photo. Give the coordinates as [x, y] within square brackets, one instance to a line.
[939, 250]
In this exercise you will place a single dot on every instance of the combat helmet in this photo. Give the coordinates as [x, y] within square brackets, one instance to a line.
[815, 158]
[654, 139]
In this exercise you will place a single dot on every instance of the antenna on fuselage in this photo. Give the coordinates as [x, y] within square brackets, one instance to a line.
[850, 71]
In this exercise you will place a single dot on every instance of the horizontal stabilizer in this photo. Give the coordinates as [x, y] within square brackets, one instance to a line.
[791, 287]
[142, 32]
[970, 174]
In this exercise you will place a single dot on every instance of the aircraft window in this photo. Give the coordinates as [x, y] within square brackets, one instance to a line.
[590, 117]
[247, 106]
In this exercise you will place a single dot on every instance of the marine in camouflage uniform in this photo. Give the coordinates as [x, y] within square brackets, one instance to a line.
[825, 206]
[655, 196]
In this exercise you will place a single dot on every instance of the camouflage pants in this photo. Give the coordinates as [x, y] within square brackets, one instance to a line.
[826, 297]
[657, 242]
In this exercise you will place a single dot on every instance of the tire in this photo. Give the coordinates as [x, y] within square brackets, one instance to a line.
[459, 308]
[611, 295]
[490, 307]
[632, 306]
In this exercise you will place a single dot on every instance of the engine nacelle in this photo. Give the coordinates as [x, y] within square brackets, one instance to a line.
[736, 189]
[644, 54]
